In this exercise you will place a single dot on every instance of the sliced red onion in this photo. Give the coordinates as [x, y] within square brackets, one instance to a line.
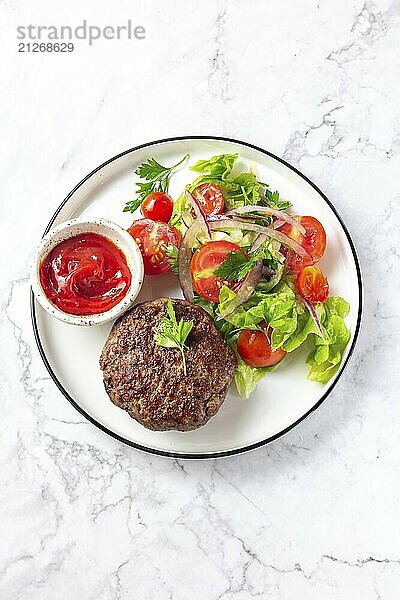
[283, 216]
[187, 218]
[278, 223]
[200, 214]
[184, 257]
[260, 239]
[268, 271]
[314, 315]
[220, 217]
[224, 224]
[245, 290]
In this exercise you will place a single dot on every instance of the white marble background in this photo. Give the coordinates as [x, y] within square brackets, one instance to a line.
[314, 515]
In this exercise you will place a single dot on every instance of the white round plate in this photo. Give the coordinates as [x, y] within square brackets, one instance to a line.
[283, 398]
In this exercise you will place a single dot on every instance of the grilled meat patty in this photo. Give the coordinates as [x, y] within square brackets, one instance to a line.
[148, 381]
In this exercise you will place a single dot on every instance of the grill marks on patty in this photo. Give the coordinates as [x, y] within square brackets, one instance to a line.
[148, 381]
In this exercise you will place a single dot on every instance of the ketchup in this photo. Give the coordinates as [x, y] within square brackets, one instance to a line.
[85, 275]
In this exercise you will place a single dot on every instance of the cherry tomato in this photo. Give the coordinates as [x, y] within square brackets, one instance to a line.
[210, 197]
[313, 242]
[157, 207]
[255, 349]
[153, 238]
[312, 284]
[203, 264]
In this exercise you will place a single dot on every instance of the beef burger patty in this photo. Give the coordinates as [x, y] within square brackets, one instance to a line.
[148, 381]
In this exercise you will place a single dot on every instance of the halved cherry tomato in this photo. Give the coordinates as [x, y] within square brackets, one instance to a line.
[153, 238]
[203, 264]
[312, 284]
[157, 207]
[210, 197]
[255, 349]
[313, 242]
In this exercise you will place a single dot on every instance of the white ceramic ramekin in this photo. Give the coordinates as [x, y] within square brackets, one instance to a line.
[119, 237]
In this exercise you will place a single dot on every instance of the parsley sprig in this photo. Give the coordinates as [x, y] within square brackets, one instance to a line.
[275, 201]
[171, 334]
[156, 179]
[235, 266]
[172, 254]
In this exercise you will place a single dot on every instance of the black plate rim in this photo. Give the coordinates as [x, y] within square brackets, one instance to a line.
[224, 453]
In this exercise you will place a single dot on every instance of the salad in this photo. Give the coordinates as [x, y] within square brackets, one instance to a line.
[242, 255]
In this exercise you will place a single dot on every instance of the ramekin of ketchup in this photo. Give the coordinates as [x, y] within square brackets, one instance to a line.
[87, 272]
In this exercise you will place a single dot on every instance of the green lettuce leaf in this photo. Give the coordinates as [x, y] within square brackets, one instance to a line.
[292, 325]
[227, 330]
[305, 327]
[277, 308]
[326, 357]
[216, 167]
[242, 190]
[239, 190]
[181, 216]
[246, 377]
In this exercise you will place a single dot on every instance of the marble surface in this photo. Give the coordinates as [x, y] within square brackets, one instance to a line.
[314, 515]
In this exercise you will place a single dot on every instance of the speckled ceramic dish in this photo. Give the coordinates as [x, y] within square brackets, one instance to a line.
[111, 231]
[283, 398]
